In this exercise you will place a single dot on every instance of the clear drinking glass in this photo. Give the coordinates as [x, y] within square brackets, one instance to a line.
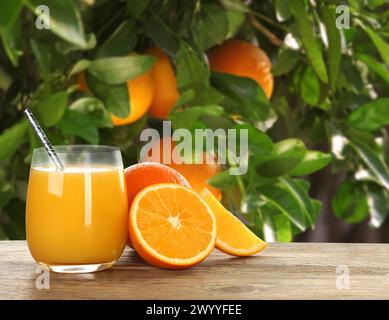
[76, 219]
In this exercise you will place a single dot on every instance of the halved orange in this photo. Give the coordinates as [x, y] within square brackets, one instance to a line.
[171, 226]
[144, 174]
[233, 236]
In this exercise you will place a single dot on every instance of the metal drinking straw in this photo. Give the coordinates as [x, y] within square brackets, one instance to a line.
[46, 143]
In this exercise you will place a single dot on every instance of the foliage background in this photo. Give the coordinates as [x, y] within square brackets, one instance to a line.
[331, 95]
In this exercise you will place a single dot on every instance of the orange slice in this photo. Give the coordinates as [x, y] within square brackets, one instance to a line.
[171, 226]
[233, 237]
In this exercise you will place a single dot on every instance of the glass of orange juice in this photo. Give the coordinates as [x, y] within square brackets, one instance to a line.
[76, 219]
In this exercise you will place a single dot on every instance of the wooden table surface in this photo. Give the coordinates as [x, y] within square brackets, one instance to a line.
[282, 271]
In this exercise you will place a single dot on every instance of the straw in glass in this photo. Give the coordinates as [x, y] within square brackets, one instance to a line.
[42, 137]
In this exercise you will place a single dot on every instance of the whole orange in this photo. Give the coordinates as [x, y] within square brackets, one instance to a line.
[196, 174]
[245, 60]
[165, 84]
[140, 91]
[144, 174]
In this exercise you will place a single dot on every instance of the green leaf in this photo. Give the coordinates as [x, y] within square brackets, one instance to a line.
[215, 122]
[235, 5]
[43, 58]
[374, 65]
[381, 45]
[350, 77]
[188, 117]
[282, 228]
[11, 38]
[284, 202]
[282, 10]
[286, 60]
[160, 33]
[312, 162]
[5, 80]
[51, 109]
[317, 205]
[310, 87]
[95, 109]
[249, 97]
[118, 101]
[287, 155]
[371, 116]
[373, 162]
[9, 9]
[65, 48]
[118, 70]
[79, 66]
[334, 44]
[299, 190]
[120, 43]
[377, 3]
[378, 203]
[259, 142]
[11, 139]
[135, 7]
[211, 27]
[349, 203]
[309, 39]
[80, 125]
[65, 20]
[203, 94]
[235, 21]
[185, 97]
[276, 226]
[223, 180]
[115, 97]
[252, 202]
[190, 69]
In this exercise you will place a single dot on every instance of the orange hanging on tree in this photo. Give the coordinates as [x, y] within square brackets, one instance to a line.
[165, 84]
[140, 92]
[245, 60]
[196, 174]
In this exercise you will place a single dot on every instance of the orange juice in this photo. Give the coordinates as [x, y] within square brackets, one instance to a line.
[77, 216]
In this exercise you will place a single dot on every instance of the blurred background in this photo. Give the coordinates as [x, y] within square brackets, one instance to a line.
[309, 81]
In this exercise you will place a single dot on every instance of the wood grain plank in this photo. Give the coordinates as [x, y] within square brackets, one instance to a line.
[282, 271]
